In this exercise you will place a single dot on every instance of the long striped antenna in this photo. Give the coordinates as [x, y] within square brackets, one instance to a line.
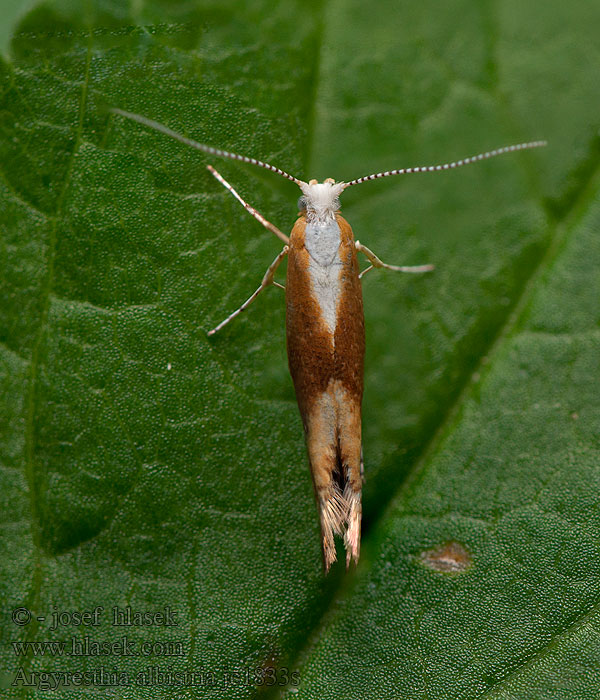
[202, 147]
[449, 166]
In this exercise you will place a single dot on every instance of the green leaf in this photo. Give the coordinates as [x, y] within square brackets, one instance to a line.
[12, 12]
[145, 465]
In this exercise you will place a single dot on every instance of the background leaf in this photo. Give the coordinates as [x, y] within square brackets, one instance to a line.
[144, 465]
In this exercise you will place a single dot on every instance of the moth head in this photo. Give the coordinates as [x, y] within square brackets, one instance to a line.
[320, 200]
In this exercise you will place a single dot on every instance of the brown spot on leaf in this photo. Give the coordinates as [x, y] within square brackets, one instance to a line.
[450, 557]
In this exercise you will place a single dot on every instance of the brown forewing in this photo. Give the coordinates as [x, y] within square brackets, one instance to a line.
[315, 357]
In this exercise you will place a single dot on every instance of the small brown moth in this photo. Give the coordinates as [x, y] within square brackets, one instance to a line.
[325, 332]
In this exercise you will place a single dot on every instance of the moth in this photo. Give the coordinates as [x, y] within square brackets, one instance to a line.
[325, 330]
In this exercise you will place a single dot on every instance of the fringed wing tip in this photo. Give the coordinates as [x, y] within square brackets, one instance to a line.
[341, 515]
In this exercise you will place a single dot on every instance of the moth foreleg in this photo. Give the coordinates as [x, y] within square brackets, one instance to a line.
[266, 281]
[376, 262]
[251, 210]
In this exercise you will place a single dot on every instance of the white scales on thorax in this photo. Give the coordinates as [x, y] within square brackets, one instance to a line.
[322, 241]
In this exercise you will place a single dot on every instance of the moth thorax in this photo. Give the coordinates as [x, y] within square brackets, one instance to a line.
[321, 199]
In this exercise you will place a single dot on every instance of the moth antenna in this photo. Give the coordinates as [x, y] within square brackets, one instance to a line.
[203, 147]
[449, 166]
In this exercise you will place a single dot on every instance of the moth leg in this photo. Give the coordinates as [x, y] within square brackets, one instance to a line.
[376, 262]
[251, 210]
[266, 281]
